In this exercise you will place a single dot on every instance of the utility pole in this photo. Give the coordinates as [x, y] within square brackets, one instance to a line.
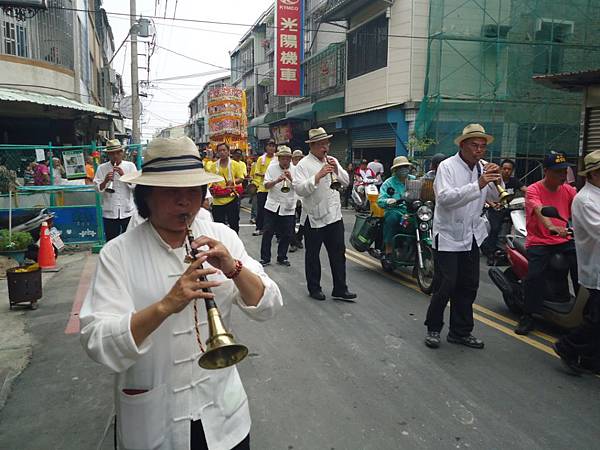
[135, 90]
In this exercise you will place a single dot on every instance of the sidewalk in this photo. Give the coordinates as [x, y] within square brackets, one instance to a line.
[55, 396]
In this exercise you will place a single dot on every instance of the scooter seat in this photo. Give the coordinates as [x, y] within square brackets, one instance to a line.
[519, 244]
[560, 308]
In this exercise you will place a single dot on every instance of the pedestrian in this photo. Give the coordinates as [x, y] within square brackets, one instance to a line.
[41, 176]
[29, 174]
[324, 225]
[297, 236]
[545, 236]
[89, 170]
[144, 325]
[280, 207]
[434, 163]
[226, 193]
[117, 203]
[377, 169]
[462, 186]
[237, 156]
[580, 348]
[348, 190]
[363, 172]
[260, 168]
[58, 173]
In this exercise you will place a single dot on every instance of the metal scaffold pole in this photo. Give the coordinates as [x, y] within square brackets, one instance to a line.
[135, 94]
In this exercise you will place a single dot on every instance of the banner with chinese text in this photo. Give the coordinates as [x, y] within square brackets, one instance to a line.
[289, 37]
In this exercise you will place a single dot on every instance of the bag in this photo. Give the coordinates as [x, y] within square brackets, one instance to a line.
[364, 232]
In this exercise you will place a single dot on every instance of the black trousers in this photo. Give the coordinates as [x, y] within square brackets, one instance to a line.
[198, 440]
[535, 284]
[261, 199]
[284, 226]
[332, 236]
[114, 227]
[456, 280]
[584, 340]
[228, 214]
[496, 220]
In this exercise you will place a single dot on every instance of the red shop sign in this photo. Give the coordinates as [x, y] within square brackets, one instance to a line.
[289, 37]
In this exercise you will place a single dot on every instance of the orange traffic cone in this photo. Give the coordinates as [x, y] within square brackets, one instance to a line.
[46, 258]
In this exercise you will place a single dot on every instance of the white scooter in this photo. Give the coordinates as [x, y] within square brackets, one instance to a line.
[361, 190]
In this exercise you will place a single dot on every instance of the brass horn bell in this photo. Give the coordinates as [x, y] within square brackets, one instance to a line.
[505, 197]
[335, 183]
[285, 187]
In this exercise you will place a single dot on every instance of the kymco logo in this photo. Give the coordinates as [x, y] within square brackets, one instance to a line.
[289, 2]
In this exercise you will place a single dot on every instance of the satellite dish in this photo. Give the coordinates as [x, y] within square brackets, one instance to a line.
[126, 107]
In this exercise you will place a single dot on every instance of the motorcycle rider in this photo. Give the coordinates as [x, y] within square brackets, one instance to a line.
[433, 166]
[582, 345]
[363, 172]
[392, 190]
[546, 236]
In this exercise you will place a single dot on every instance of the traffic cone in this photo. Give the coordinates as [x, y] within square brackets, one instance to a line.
[46, 258]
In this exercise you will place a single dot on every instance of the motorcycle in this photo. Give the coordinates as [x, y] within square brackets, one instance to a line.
[362, 189]
[30, 220]
[513, 222]
[560, 307]
[412, 247]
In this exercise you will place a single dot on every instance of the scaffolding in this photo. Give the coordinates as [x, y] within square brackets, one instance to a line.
[482, 55]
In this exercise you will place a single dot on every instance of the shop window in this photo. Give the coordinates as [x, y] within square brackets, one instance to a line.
[368, 47]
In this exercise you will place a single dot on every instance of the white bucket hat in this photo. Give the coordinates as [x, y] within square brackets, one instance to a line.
[172, 163]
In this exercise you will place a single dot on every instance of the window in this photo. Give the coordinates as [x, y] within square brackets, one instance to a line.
[368, 47]
[15, 40]
[549, 58]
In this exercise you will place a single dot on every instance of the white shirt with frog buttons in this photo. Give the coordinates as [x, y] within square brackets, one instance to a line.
[321, 203]
[134, 271]
[282, 203]
[457, 218]
[118, 205]
[586, 226]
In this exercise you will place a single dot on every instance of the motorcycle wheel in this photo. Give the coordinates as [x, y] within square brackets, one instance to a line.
[511, 302]
[425, 275]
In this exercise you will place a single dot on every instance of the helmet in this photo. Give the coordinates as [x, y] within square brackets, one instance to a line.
[437, 159]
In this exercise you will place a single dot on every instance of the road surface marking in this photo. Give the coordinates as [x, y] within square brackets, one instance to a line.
[82, 288]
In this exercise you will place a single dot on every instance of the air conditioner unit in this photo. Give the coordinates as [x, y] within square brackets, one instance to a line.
[110, 75]
[495, 31]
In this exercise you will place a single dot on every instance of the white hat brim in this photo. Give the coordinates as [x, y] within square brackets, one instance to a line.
[322, 138]
[464, 137]
[594, 167]
[404, 164]
[182, 179]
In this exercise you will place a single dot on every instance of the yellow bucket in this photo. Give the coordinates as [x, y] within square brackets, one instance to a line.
[376, 211]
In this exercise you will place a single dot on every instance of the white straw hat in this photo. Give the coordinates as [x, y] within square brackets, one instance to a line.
[172, 163]
[317, 134]
[474, 130]
[283, 150]
[113, 145]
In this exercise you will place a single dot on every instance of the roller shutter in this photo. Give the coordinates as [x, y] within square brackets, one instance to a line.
[373, 137]
[592, 130]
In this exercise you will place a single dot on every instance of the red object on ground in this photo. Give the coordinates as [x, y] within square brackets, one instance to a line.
[46, 258]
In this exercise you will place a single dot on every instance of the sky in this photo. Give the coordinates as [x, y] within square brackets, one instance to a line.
[167, 101]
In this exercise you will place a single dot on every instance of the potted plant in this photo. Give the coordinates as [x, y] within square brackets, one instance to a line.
[15, 244]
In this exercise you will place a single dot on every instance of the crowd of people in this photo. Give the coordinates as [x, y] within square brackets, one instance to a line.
[145, 326]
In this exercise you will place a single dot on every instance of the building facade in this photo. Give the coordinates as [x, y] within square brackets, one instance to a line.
[197, 126]
[56, 85]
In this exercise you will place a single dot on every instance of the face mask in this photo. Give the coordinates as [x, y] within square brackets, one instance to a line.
[402, 172]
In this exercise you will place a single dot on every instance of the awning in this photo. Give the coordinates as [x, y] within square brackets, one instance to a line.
[367, 110]
[265, 119]
[19, 96]
[570, 81]
[302, 112]
[321, 110]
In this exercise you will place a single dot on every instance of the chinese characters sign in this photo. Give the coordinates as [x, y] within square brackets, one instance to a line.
[289, 36]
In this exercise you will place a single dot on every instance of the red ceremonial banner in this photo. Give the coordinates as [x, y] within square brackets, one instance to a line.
[289, 36]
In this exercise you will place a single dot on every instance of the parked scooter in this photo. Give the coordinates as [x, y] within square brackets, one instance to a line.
[361, 190]
[412, 246]
[560, 307]
[31, 222]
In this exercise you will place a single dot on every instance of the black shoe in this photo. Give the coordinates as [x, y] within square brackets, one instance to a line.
[432, 339]
[526, 325]
[293, 248]
[468, 341]
[300, 245]
[283, 262]
[264, 262]
[347, 296]
[317, 295]
[570, 363]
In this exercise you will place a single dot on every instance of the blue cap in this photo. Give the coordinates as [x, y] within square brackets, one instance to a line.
[556, 160]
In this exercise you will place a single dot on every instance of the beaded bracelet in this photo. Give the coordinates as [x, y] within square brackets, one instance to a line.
[235, 272]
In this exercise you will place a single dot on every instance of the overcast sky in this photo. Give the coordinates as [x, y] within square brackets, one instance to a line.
[167, 102]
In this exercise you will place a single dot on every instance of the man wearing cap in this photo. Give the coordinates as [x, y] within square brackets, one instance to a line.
[280, 207]
[117, 200]
[260, 169]
[140, 318]
[226, 200]
[462, 185]
[581, 347]
[546, 236]
[324, 225]
[391, 192]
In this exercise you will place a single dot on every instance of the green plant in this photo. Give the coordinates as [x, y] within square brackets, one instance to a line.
[20, 240]
[418, 146]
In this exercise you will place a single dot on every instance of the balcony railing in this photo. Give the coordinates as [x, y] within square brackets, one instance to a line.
[325, 72]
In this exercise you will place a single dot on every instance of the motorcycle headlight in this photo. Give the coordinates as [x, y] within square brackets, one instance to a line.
[424, 214]
[429, 203]
[416, 204]
[423, 226]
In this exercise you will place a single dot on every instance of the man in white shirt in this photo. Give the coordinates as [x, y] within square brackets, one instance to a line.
[377, 169]
[581, 347]
[297, 237]
[280, 207]
[144, 317]
[117, 197]
[462, 186]
[313, 179]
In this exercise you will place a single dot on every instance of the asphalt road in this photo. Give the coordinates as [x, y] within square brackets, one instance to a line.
[333, 375]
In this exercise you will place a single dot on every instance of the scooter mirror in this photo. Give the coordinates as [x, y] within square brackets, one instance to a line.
[552, 212]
